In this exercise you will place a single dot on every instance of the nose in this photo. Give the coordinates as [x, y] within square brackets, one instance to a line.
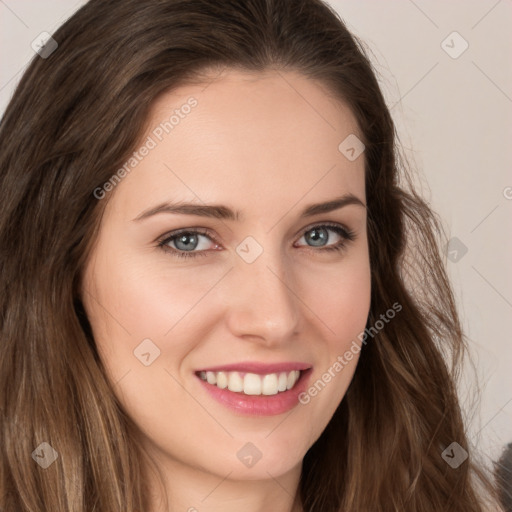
[261, 303]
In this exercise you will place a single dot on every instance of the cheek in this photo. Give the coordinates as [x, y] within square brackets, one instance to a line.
[132, 310]
[341, 299]
[130, 302]
[341, 302]
[140, 296]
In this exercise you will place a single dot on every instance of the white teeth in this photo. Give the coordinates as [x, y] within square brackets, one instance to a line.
[252, 383]
[269, 385]
[281, 385]
[235, 382]
[293, 377]
[222, 380]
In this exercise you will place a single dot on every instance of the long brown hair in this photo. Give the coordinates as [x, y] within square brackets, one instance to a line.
[74, 119]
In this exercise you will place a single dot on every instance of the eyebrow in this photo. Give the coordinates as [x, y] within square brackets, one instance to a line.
[225, 213]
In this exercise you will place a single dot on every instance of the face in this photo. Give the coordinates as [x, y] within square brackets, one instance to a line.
[261, 296]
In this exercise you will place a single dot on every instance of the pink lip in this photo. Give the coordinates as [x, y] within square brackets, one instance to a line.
[259, 405]
[258, 368]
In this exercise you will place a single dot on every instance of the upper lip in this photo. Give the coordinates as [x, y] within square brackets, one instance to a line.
[258, 368]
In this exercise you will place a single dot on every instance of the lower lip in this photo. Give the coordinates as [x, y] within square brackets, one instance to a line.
[259, 405]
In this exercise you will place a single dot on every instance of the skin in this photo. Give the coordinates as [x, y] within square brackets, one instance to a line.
[265, 144]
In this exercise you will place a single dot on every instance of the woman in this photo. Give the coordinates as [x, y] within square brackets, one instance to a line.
[220, 290]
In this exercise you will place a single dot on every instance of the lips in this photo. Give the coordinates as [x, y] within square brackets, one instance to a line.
[255, 388]
[259, 368]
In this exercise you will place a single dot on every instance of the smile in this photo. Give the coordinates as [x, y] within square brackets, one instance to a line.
[252, 383]
[256, 389]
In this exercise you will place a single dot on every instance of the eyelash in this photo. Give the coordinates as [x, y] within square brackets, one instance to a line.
[347, 236]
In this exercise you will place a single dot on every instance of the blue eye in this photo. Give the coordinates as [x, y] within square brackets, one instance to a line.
[320, 234]
[187, 241]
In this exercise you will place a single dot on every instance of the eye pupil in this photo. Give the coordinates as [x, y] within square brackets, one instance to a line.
[183, 240]
[320, 236]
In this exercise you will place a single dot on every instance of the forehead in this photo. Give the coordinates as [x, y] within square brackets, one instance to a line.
[246, 139]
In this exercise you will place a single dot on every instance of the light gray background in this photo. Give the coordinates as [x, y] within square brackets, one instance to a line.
[454, 119]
